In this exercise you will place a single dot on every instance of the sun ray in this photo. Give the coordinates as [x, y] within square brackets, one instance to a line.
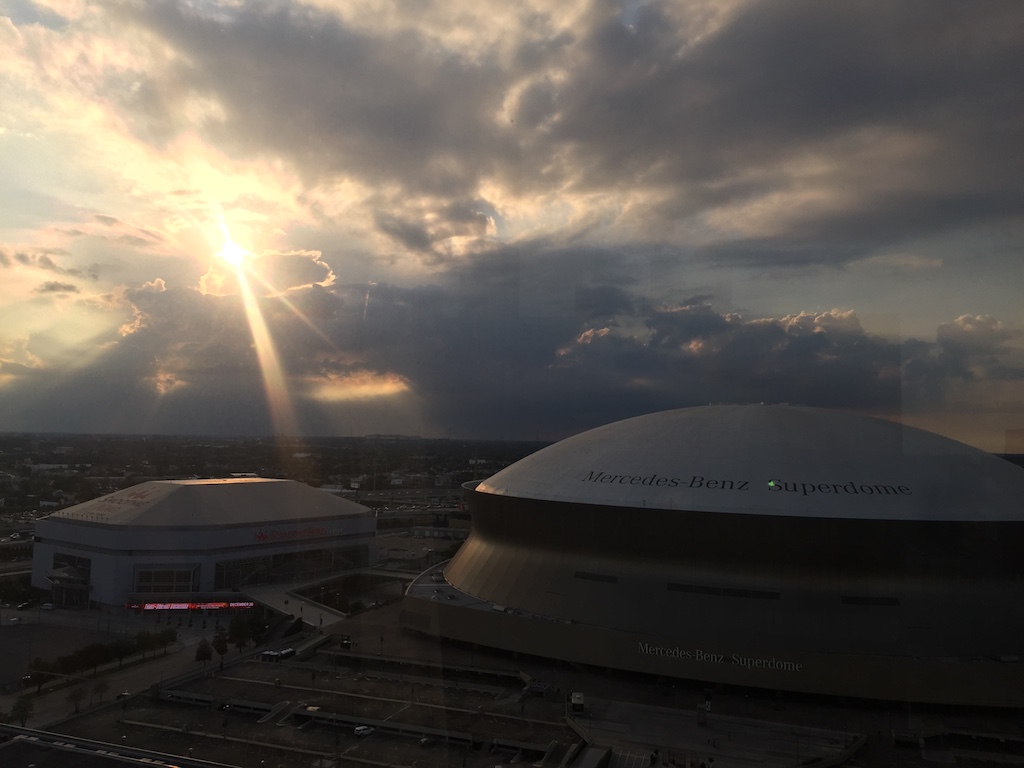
[295, 310]
[282, 412]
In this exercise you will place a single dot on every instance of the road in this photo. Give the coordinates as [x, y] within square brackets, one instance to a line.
[53, 707]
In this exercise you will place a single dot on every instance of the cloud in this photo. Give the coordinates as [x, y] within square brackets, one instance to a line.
[975, 334]
[52, 286]
[801, 135]
[526, 218]
[115, 230]
[45, 262]
[479, 356]
[284, 271]
[472, 355]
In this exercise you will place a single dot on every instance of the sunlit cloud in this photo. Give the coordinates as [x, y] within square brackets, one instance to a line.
[362, 385]
[165, 382]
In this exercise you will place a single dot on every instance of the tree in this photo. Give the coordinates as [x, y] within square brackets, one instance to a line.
[204, 652]
[120, 649]
[220, 645]
[145, 641]
[166, 636]
[22, 710]
[239, 632]
[75, 696]
[36, 674]
[99, 688]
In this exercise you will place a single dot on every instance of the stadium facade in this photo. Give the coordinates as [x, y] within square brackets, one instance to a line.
[780, 547]
[179, 543]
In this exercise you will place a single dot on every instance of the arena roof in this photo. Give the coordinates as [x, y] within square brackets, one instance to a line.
[770, 460]
[218, 502]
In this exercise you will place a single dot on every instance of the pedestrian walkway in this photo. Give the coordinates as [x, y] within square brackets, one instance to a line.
[282, 598]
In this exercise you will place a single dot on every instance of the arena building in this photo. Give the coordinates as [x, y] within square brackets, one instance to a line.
[195, 543]
[780, 547]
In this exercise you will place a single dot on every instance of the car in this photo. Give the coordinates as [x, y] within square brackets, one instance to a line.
[25, 606]
[363, 730]
[47, 606]
[15, 619]
[124, 694]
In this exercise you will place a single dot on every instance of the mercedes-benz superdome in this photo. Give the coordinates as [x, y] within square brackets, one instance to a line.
[782, 547]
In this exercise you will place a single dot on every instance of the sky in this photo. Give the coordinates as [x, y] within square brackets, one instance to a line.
[494, 220]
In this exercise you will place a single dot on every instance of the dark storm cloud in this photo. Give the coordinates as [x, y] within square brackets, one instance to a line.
[484, 359]
[493, 368]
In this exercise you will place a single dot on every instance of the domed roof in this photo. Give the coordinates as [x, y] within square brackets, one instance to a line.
[771, 460]
[214, 502]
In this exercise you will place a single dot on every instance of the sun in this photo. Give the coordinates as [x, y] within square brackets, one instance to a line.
[232, 252]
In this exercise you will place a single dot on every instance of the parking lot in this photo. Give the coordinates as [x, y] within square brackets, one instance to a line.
[288, 712]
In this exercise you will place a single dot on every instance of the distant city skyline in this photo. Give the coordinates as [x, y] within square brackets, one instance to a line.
[486, 221]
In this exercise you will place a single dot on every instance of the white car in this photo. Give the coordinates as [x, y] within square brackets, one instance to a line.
[363, 730]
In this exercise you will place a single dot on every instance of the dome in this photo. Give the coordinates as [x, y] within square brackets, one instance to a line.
[770, 460]
[858, 556]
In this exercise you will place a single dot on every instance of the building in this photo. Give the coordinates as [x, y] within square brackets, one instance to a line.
[181, 542]
[780, 547]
